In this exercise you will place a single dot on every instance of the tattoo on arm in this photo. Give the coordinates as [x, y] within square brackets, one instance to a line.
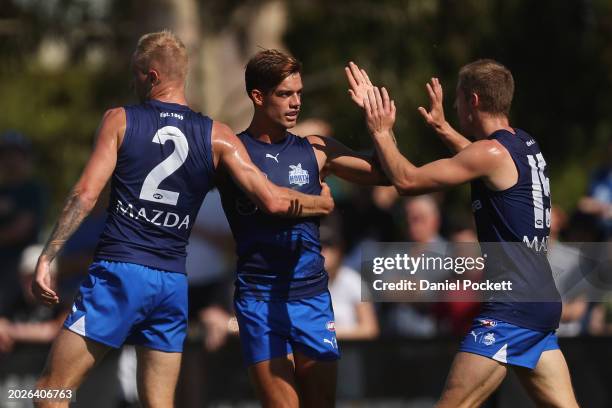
[72, 215]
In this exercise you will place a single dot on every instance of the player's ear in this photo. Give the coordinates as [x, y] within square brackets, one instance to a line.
[257, 96]
[474, 100]
[154, 77]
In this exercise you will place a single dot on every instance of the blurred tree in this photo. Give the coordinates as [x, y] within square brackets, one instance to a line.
[559, 53]
[65, 61]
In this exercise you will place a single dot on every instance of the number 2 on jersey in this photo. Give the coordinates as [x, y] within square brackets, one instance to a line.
[150, 188]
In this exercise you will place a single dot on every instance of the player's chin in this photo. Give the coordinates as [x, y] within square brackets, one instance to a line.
[290, 121]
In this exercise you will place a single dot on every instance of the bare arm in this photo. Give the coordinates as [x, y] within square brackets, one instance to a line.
[435, 118]
[41, 332]
[480, 159]
[345, 163]
[82, 198]
[229, 151]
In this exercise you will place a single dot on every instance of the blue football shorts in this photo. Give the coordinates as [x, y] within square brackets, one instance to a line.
[129, 303]
[507, 343]
[276, 328]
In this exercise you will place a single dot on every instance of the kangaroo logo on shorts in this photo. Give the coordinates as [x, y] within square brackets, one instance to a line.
[331, 326]
[297, 175]
[489, 339]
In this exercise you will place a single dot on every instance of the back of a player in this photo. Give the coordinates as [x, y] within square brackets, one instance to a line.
[513, 227]
[136, 291]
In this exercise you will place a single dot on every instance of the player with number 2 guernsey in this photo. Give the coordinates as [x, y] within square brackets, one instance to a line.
[161, 158]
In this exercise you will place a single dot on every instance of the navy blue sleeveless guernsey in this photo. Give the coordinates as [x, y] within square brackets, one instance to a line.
[164, 169]
[278, 258]
[519, 215]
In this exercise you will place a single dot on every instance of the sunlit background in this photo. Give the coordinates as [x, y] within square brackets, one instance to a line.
[63, 62]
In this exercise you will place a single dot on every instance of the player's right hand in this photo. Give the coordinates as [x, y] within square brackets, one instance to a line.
[41, 285]
[435, 116]
[380, 112]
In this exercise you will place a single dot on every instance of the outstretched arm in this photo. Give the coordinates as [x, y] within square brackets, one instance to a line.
[480, 159]
[435, 118]
[345, 163]
[82, 199]
[229, 152]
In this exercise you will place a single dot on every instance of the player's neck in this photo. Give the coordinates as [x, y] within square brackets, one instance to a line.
[489, 124]
[170, 93]
[264, 130]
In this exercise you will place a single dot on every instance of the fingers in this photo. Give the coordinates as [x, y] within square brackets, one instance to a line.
[356, 73]
[369, 102]
[430, 92]
[424, 113]
[437, 88]
[379, 102]
[366, 78]
[44, 293]
[386, 105]
[325, 191]
[349, 76]
[355, 98]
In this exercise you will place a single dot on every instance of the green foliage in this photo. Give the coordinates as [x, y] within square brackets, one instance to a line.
[558, 52]
[59, 112]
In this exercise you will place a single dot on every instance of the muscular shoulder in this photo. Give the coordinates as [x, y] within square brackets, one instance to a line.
[487, 153]
[113, 125]
[223, 140]
[115, 116]
[220, 130]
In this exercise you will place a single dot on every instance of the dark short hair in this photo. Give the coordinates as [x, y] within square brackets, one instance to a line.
[492, 82]
[268, 68]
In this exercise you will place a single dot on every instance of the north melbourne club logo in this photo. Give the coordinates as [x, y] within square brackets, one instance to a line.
[297, 175]
[489, 339]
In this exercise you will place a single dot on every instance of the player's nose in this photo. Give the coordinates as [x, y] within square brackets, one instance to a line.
[295, 101]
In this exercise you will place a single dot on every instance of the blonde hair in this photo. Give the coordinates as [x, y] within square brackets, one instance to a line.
[492, 82]
[165, 51]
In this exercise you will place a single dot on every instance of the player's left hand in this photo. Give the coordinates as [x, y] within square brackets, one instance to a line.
[380, 112]
[359, 83]
[435, 116]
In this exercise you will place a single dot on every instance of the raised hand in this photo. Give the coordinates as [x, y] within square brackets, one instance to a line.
[359, 83]
[380, 112]
[435, 116]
